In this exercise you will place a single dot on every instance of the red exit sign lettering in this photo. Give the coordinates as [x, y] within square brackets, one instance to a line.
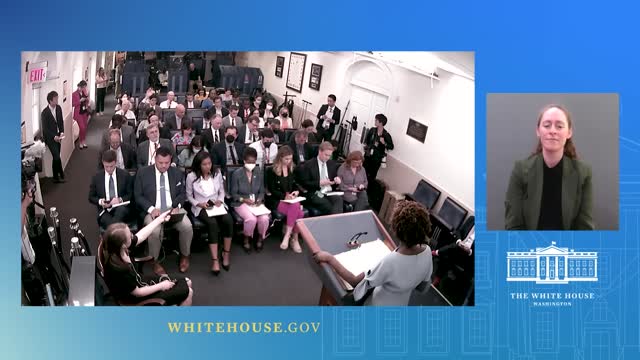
[38, 75]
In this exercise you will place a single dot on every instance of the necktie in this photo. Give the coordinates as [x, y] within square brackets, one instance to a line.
[163, 194]
[324, 175]
[266, 155]
[152, 159]
[217, 139]
[233, 156]
[233, 121]
[112, 188]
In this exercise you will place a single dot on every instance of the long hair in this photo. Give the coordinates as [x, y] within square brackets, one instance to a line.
[196, 165]
[569, 146]
[114, 238]
[278, 163]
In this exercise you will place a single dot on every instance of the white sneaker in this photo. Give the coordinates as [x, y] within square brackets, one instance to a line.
[295, 245]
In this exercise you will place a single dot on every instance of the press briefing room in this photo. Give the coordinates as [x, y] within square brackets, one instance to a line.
[247, 178]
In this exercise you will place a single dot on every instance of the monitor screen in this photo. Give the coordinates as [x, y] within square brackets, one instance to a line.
[452, 213]
[426, 194]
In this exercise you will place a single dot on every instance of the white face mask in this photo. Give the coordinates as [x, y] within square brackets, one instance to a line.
[195, 150]
[249, 166]
[269, 106]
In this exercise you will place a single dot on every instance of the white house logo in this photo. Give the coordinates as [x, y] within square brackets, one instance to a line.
[552, 265]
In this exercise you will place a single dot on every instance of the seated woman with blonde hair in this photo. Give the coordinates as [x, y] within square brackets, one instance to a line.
[120, 274]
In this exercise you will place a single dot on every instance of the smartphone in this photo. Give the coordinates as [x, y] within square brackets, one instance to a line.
[210, 203]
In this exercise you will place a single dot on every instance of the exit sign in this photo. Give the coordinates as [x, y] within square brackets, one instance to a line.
[38, 75]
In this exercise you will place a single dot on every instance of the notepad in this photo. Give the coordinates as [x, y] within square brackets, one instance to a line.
[364, 258]
[259, 210]
[296, 200]
[334, 193]
[216, 211]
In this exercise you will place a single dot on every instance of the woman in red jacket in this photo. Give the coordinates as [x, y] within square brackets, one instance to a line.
[80, 103]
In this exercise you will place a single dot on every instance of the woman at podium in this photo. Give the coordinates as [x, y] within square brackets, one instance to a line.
[551, 189]
[392, 281]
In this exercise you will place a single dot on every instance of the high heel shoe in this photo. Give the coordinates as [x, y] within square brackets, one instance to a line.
[228, 266]
[295, 245]
[284, 245]
[247, 247]
[214, 272]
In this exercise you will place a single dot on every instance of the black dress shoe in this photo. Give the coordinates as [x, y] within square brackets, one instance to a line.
[226, 267]
[215, 272]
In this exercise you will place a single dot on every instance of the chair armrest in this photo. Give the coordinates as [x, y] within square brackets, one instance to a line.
[152, 302]
[144, 258]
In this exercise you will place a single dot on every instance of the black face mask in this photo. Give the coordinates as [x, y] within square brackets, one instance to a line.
[230, 138]
[284, 115]
[267, 144]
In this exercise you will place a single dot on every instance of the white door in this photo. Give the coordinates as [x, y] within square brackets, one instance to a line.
[365, 104]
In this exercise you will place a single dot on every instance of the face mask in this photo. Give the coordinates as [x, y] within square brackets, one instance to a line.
[249, 166]
[196, 149]
[267, 144]
[230, 138]
[269, 106]
[284, 115]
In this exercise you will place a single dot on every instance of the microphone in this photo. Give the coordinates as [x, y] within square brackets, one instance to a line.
[353, 242]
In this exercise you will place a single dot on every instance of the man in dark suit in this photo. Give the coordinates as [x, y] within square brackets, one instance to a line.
[53, 133]
[302, 151]
[190, 103]
[232, 118]
[213, 133]
[312, 136]
[229, 151]
[218, 108]
[328, 118]
[125, 154]
[110, 187]
[152, 104]
[248, 133]
[317, 177]
[174, 120]
[127, 134]
[158, 188]
[163, 132]
[245, 112]
[147, 149]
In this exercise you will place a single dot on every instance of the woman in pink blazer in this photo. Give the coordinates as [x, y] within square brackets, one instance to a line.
[80, 103]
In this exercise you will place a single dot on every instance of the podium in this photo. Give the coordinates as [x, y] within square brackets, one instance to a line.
[331, 233]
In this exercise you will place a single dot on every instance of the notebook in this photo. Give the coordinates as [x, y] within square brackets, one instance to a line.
[216, 211]
[259, 210]
[296, 200]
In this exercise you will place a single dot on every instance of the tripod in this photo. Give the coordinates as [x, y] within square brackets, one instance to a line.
[288, 103]
[304, 110]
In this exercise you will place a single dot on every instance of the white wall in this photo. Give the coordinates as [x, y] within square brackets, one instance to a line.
[446, 159]
[69, 66]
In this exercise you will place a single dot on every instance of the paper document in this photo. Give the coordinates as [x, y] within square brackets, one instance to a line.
[120, 204]
[259, 210]
[216, 210]
[296, 200]
[364, 258]
[334, 193]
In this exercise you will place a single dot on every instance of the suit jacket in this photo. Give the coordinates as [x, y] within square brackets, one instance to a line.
[51, 127]
[170, 123]
[241, 113]
[142, 112]
[142, 153]
[196, 104]
[75, 102]
[225, 111]
[165, 133]
[240, 186]
[195, 193]
[128, 137]
[128, 156]
[97, 190]
[524, 195]
[308, 152]
[242, 132]
[220, 153]
[145, 188]
[278, 187]
[208, 139]
[226, 121]
[379, 151]
[308, 176]
[336, 118]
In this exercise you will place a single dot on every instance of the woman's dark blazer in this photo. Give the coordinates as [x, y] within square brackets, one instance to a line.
[524, 195]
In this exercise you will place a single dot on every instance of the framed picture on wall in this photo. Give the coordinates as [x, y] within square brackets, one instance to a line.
[316, 76]
[295, 76]
[417, 130]
[279, 66]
